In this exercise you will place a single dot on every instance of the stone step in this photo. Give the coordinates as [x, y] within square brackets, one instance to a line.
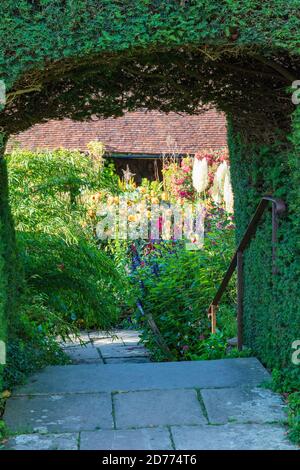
[147, 376]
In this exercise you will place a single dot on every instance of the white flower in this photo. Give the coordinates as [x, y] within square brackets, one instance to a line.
[228, 194]
[218, 186]
[200, 175]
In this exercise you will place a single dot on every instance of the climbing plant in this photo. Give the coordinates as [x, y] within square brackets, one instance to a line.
[77, 59]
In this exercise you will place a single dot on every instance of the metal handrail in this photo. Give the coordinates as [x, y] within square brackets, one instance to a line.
[278, 207]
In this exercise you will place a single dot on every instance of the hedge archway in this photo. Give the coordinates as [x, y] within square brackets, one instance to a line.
[67, 58]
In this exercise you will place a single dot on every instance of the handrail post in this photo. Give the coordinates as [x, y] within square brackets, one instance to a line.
[214, 319]
[240, 299]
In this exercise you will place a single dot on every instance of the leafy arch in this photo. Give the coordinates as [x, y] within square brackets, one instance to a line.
[77, 59]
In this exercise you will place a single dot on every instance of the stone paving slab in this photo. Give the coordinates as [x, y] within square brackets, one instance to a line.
[127, 360]
[84, 354]
[68, 441]
[243, 405]
[74, 340]
[157, 408]
[99, 334]
[107, 341]
[231, 437]
[59, 413]
[129, 439]
[132, 377]
[120, 350]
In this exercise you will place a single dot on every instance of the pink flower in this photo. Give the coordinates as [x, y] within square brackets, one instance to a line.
[183, 194]
[185, 347]
[159, 223]
[186, 169]
[179, 181]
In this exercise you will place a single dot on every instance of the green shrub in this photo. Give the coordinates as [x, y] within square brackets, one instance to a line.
[31, 346]
[179, 296]
[47, 190]
[294, 417]
[78, 281]
[287, 382]
[67, 282]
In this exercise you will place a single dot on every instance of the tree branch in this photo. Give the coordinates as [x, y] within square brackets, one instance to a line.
[290, 77]
[11, 96]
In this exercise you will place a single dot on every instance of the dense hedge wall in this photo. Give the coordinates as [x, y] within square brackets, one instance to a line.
[271, 302]
[9, 270]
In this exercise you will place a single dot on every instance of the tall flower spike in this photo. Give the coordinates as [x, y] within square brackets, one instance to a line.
[218, 186]
[200, 175]
[228, 194]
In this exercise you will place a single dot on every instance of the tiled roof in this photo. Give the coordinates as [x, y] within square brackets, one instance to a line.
[139, 132]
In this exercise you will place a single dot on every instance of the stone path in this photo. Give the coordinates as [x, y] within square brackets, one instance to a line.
[112, 397]
[100, 348]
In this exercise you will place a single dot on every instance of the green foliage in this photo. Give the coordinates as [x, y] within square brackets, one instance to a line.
[67, 281]
[48, 189]
[237, 55]
[294, 417]
[148, 54]
[287, 381]
[9, 268]
[79, 281]
[3, 429]
[29, 350]
[60, 259]
[271, 303]
[179, 299]
[30, 344]
[226, 317]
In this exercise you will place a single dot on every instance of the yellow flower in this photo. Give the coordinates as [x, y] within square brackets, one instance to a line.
[155, 200]
[142, 189]
[91, 213]
[148, 214]
[110, 200]
[132, 218]
[164, 196]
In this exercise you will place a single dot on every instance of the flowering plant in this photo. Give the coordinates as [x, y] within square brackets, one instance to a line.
[207, 175]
